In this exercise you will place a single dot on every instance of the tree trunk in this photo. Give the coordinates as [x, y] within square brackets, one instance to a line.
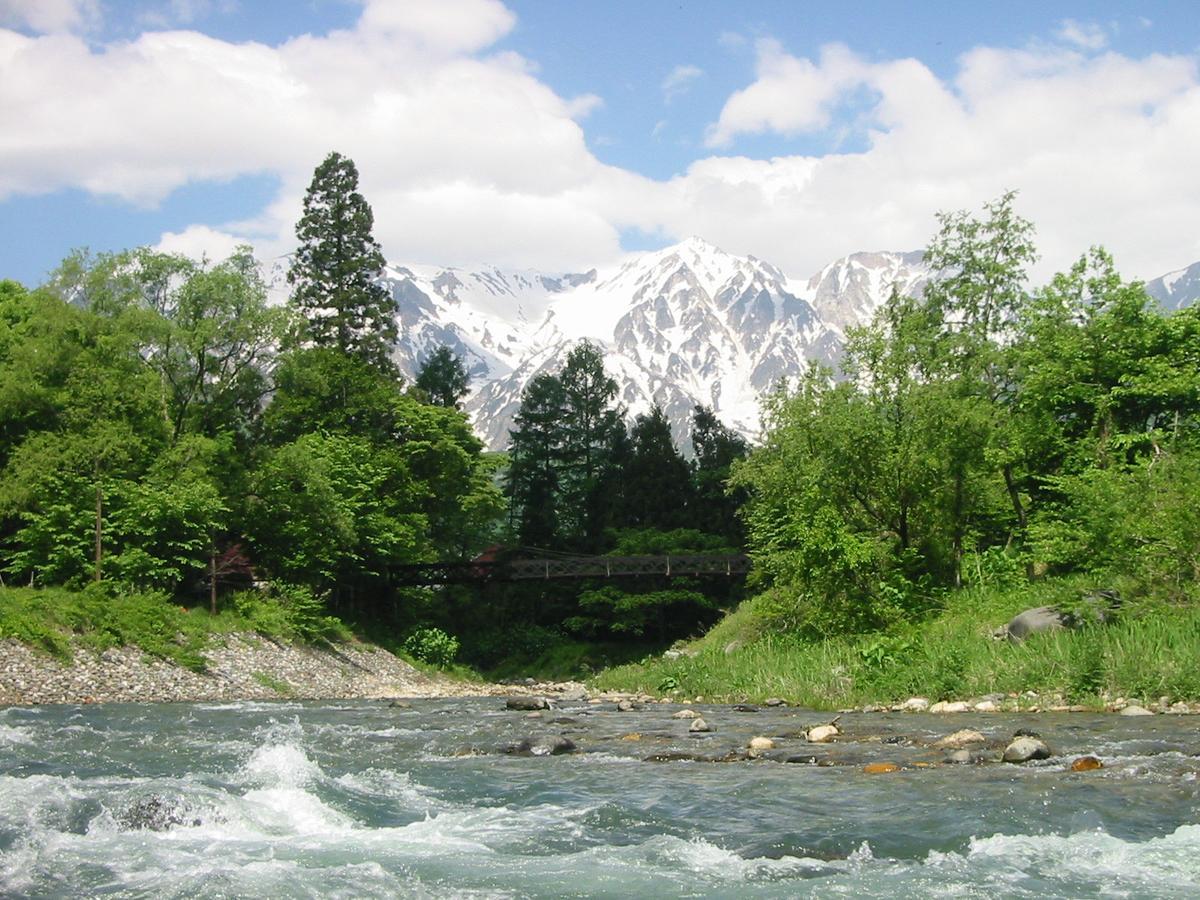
[212, 581]
[99, 553]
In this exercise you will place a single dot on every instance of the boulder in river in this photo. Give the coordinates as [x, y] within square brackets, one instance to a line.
[686, 714]
[153, 813]
[759, 745]
[774, 701]
[960, 758]
[914, 704]
[880, 768]
[699, 725]
[1086, 764]
[948, 706]
[962, 738]
[822, 734]
[526, 703]
[1024, 749]
[1134, 710]
[625, 706]
[541, 745]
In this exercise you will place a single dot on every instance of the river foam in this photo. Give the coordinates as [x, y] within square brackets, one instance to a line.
[316, 801]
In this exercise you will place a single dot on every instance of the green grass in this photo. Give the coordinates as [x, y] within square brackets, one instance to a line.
[58, 620]
[271, 683]
[1150, 652]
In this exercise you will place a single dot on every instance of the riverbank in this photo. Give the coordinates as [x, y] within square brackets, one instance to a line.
[238, 667]
[1146, 657]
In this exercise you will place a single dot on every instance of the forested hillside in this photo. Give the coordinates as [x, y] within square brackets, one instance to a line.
[166, 433]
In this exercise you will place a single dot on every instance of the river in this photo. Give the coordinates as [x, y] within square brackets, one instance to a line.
[358, 799]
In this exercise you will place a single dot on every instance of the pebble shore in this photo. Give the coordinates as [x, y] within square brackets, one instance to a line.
[240, 667]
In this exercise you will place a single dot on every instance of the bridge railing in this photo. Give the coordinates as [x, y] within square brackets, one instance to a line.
[574, 567]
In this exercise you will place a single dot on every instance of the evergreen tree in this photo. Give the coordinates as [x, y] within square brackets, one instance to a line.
[589, 423]
[658, 488]
[532, 483]
[716, 448]
[335, 271]
[443, 378]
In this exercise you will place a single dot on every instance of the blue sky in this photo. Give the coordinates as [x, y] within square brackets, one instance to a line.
[560, 134]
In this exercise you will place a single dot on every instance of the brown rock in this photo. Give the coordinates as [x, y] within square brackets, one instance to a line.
[1086, 764]
[880, 768]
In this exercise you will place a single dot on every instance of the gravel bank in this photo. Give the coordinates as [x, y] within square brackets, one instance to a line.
[240, 667]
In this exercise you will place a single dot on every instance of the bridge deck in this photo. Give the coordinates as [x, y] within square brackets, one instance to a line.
[574, 567]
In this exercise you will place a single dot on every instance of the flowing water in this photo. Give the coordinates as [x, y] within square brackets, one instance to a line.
[362, 800]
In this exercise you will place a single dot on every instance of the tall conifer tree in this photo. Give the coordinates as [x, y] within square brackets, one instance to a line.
[334, 274]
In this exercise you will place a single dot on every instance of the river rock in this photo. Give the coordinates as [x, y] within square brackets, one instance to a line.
[686, 714]
[760, 745]
[536, 714]
[699, 725]
[523, 702]
[880, 768]
[960, 739]
[914, 704]
[153, 813]
[1023, 749]
[1086, 764]
[944, 706]
[745, 707]
[625, 706]
[1134, 710]
[541, 745]
[986, 706]
[632, 736]
[822, 734]
[774, 701]
[959, 757]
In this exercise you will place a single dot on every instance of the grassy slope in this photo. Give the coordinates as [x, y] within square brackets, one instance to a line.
[57, 620]
[1152, 651]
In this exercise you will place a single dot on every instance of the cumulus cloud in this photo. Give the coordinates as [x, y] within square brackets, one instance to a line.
[1087, 35]
[200, 242]
[790, 95]
[678, 80]
[468, 157]
[50, 15]
[1098, 147]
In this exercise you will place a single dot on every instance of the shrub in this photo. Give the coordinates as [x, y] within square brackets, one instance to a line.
[432, 645]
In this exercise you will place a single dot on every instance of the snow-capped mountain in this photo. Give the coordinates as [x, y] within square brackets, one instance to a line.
[847, 292]
[1177, 289]
[685, 325]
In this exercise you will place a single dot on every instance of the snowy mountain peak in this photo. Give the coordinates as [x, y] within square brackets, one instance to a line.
[688, 324]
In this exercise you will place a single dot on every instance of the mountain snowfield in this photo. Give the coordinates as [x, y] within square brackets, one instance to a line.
[686, 325]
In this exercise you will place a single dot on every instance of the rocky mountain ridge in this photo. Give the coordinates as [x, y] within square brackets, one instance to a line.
[689, 324]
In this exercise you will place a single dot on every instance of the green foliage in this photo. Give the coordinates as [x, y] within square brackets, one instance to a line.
[432, 645]
[443, 378]
[1148, 653]
[656, 482]
[335, 270]
[290, 612]
[561, 455]
[99, 618]
[653, 614]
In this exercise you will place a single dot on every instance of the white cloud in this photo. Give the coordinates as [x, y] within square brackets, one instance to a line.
[200, 242]
[1087, 35]
[50, 15]
[467, 157]
[1099, 148]
[790, 95]
[678, 80]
